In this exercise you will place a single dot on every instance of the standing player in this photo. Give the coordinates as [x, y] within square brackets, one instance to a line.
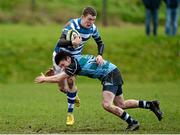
[111, 79]
[87, 29]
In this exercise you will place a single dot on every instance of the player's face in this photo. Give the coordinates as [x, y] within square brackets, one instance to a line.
[88, 21]
[65, 63]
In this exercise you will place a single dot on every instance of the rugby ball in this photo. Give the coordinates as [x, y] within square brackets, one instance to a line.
[71, 34]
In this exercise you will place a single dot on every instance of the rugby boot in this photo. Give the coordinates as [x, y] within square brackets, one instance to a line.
[70, 119]
[154, 107]
[133, 126]
[49, 72]
[77, 101]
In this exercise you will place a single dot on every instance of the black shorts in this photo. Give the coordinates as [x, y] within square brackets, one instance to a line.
[113, 82]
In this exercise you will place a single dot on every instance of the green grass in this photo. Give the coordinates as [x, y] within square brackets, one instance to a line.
[140, 58]
[34, 108]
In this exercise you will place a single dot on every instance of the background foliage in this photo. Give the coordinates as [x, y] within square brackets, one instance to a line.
[28, 37]
[47, 11]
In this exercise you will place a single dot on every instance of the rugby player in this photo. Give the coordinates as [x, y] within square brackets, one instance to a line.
[87, 29]
[110, 77]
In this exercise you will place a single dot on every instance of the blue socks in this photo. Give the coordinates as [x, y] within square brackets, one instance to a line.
[71, 98]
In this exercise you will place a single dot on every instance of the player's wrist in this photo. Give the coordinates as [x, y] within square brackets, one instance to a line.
[99, 55]
[44, 79]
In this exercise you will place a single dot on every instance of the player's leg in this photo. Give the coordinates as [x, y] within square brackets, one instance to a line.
[72, 86]
[63, 87]
[125, 104]
[132, 103]
[71, 96]
[154, 106]
[108, 98]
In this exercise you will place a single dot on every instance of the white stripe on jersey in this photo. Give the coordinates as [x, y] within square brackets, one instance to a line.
[94, 27]
[78, 52]
[85, 34]
[76, 21]
[72, 25]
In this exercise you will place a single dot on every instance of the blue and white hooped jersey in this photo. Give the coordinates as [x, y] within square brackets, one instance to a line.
[85, 65]
[84, 32]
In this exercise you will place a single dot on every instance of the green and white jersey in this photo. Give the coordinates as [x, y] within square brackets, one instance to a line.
[85, 65]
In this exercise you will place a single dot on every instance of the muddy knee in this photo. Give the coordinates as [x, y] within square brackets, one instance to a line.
[63, 87]
[106, 105]
[71, 83]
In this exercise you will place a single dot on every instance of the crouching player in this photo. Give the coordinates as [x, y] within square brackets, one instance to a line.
[111, 79]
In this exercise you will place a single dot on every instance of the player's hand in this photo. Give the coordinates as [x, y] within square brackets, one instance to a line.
[77, 40]
[99, 60]
[40, 79]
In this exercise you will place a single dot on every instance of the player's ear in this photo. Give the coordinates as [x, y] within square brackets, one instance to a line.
[83, 16]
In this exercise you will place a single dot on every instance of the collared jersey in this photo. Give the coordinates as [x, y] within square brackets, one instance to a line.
[85, 34]
[85, 65]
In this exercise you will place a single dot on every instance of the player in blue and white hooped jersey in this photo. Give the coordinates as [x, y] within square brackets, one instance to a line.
[110, 77]
[87, 29]
[85, 33]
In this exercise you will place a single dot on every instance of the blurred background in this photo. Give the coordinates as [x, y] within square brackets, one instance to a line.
[29, 30]
[150, 66]
[112, 12]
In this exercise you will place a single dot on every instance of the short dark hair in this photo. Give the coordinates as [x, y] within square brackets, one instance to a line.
[89, 10]
[61, 56]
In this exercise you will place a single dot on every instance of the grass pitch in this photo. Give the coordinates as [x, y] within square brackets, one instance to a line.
[34, 108]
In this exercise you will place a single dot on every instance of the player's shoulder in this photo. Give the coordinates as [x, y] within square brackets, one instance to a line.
[94, 26]
[75, 65]
[71, 22]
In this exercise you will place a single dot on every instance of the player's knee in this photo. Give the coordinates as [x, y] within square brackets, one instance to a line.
[121, 105]
[71, 83]
[62, 88]
[106, 105]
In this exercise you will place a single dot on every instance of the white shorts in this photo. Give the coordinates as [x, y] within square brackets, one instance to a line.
[57, 69]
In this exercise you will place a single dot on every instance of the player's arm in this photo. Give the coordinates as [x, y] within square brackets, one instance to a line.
[100, 47]
[63, 42]
[51, 79]
[99, 58]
